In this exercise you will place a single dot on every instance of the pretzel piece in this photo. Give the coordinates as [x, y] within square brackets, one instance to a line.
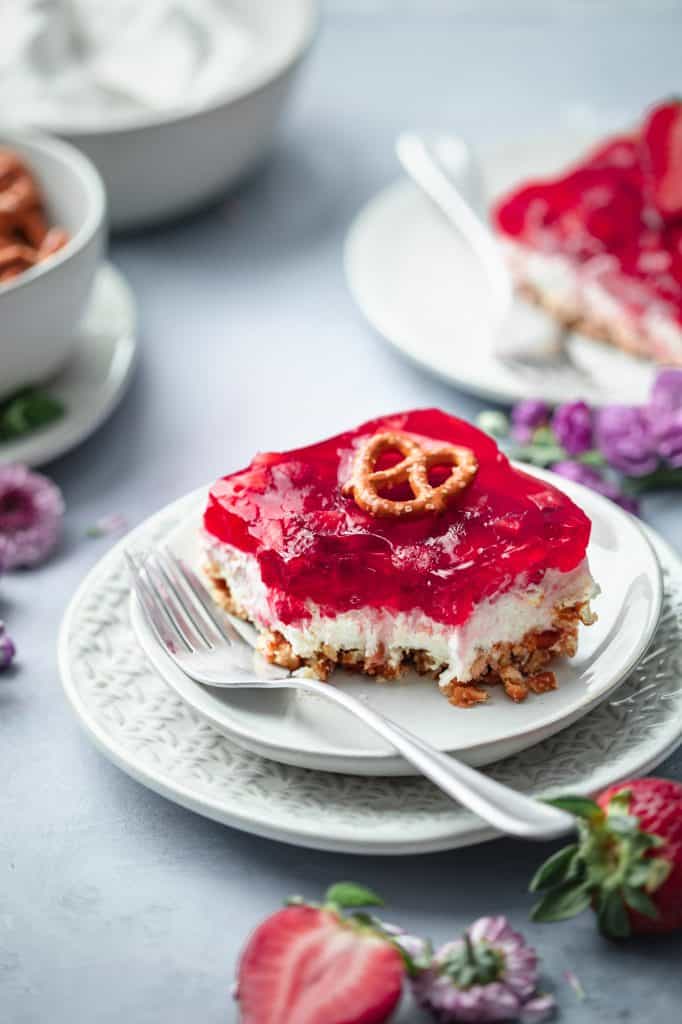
[366, 481]
[24, 235]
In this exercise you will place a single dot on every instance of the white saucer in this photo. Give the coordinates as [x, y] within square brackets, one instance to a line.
[307, 731]
[419, 286]
[141, 724]
[94, 381]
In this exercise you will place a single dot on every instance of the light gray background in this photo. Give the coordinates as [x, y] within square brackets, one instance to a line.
[116, 905]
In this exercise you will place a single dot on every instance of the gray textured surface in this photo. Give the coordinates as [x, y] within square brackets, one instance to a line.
[114, 904]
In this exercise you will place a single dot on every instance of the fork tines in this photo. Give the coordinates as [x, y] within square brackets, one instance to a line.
[177, 605]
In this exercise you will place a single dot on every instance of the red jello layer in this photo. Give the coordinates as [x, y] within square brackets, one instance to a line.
[598, 217]
[313, 543]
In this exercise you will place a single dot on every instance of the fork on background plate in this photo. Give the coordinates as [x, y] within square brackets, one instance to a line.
[526, 339]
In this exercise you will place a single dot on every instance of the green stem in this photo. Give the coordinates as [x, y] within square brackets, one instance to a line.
[664, 477]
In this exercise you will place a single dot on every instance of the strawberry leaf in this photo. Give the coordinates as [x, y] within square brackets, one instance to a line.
[659, 869]
[581, 806]
[562, 902]
[349, 895]
[619, 803]
[556, 869]
[624, 825]
[638, 900]
[612, 915]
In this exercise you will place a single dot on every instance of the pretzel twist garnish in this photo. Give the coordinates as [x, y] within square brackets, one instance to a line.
[24, 235]
[366, 482]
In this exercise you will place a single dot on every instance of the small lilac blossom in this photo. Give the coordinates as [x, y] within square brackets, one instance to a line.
[488, 975]
[572, 979]
[7, 648]
[666, 393]
[666, 428]
[590, 477]
[31, 510]
[108, 525]
[418, 950]
[526, 417]
[626, 440]
[572, 426]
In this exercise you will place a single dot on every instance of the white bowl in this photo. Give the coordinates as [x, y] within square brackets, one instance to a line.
[40, 309]
[160, 165]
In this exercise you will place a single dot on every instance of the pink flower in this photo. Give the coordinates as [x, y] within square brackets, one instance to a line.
[31, 510]
[7, 648]
[488, 975]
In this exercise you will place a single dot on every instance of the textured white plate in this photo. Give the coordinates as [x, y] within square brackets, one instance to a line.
[417, 283]
[95, 380]
[307, 731]
[142, 725]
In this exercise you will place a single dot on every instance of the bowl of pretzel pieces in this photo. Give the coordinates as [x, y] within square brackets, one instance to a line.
[52, 230]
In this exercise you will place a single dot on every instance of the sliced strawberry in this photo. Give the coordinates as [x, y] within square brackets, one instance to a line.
[306, 965]
[662, 158]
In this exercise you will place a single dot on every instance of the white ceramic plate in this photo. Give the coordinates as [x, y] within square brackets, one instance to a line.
[419, 286]
[140, 723]
[95, 379]
[305, 730]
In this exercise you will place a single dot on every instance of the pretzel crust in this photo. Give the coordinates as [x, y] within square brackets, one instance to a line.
[25, 238]
[366, 482]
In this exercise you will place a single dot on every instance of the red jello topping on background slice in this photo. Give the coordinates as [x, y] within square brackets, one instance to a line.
[662, 158]
[313, 543]
[600, 216]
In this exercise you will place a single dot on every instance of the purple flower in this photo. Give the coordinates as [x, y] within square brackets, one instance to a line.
[666, 393]
[590, 477]
[31, 510]
[626, 439]
[667, 431]
[488, 975]
[526, 417]
[572, 426]
[417, 949]
[7, 648]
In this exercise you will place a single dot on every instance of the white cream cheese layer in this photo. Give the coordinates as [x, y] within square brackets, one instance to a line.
[571, 294]
[505, 619]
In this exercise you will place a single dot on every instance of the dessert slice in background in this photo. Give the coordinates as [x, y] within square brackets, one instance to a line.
[409, 540]
[600, 246]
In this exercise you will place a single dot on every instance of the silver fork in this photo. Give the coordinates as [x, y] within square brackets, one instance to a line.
[532, 345]
[205, 645]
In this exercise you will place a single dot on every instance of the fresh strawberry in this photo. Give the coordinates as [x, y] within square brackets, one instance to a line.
[311, 964]
[627, 863]
[662, 158]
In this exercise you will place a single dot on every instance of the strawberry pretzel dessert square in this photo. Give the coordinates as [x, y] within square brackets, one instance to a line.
[410, 540]
[600, 245]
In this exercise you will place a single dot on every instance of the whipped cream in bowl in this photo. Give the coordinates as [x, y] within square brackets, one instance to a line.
[173, 100]
[79, 64]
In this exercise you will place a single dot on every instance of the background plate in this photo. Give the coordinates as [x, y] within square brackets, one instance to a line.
[419, 286]
[141, 724]
[93, 382]
[305, 730]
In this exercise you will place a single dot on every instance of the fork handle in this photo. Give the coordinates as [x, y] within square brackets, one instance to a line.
[502, 807]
